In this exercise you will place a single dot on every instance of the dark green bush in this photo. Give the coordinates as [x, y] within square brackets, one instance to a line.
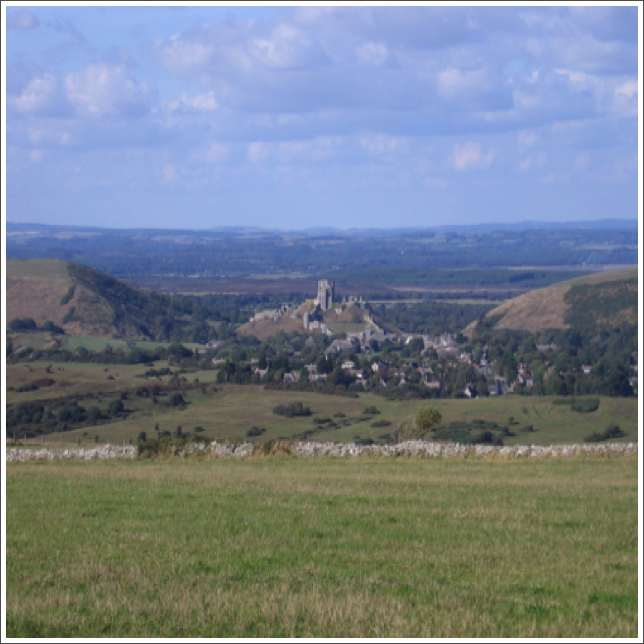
[371, 410]
[291, 410]
[68, 296]
[28, 386]
[175, 399]
[585, 405]
[255, 431]
[380, 423]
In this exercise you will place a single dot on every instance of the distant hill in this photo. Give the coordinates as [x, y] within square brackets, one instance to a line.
[81, 300]
[601, 299]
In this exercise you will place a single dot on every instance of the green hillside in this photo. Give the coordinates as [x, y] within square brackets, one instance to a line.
[85, 302]
[593, 301]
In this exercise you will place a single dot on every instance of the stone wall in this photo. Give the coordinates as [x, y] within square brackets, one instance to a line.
[339, 450]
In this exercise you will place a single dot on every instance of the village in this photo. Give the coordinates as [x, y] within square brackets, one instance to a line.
[371, 357]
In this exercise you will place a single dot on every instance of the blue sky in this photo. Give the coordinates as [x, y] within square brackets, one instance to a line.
[291, 117]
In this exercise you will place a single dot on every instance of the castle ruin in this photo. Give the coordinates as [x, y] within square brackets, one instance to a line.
[326, 294]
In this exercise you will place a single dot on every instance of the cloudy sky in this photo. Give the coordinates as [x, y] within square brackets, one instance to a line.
[295, 117]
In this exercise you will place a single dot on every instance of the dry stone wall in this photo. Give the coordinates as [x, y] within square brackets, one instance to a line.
[338, 450]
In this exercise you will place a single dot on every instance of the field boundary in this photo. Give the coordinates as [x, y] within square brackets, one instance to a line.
[335, 450]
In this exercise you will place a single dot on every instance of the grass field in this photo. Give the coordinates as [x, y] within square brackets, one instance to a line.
[98, 344]
[322, 548]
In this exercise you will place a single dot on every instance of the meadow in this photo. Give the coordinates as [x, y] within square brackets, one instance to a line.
[228, 412]
[303, 547]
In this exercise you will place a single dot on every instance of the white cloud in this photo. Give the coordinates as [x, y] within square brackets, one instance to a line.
[373, 53]
[526, 139]
[41, 96]
[199, 103]
[287, 48]
[627, 90]
[582, 161]
[452, 81]
[102, 90]
[168, 172]
[178, 55]
[216, 153]
[257, 151]
[470, 155]
[383, 143]
[22, 20]
[536, 161]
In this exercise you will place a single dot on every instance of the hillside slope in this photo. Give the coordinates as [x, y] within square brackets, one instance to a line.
[80, 299]
[602, 299]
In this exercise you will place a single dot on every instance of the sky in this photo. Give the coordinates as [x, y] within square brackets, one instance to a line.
[297, 117]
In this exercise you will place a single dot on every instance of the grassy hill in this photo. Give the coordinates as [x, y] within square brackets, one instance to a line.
[602, 299]
[81, 300]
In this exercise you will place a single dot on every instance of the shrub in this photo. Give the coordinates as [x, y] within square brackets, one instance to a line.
[255, 431]
[175, 399]
[28, 386]
[528, 428]
[24, 324]
[380, 423]
[428, 419]
[612, 431]
[371, 410]
[68, 296]
[585, 405]
[141, 438]
[198, 429]
[115, 407]
[291, 410]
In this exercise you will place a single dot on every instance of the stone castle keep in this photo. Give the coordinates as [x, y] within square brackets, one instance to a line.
[326, 294]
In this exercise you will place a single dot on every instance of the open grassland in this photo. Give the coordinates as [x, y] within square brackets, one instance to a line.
[323, 548]
[227, 412]
[73, 342]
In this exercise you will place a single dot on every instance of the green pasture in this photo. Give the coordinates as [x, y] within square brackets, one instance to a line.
[98, 344]
[232, 410]
[296, 547]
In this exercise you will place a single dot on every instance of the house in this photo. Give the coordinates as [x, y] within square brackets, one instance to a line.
[466, 357]
[379, 366]
[349, 364]
[261, 372]
[469, 390]
[586, 368]
[525, 379]
[292, 376]
[433, 383]
[314, 377]
[338, 346]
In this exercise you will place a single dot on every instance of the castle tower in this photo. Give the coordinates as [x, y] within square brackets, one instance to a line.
[326, 294]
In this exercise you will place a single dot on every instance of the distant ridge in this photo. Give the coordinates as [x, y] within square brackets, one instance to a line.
[597, 224]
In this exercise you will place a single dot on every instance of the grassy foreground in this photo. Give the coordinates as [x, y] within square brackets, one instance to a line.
[323, 548]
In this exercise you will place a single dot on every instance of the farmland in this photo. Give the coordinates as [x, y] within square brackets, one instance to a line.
[323, 548]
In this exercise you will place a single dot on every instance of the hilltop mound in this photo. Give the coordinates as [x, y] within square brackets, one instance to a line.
[602, 299]
[81, 300]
